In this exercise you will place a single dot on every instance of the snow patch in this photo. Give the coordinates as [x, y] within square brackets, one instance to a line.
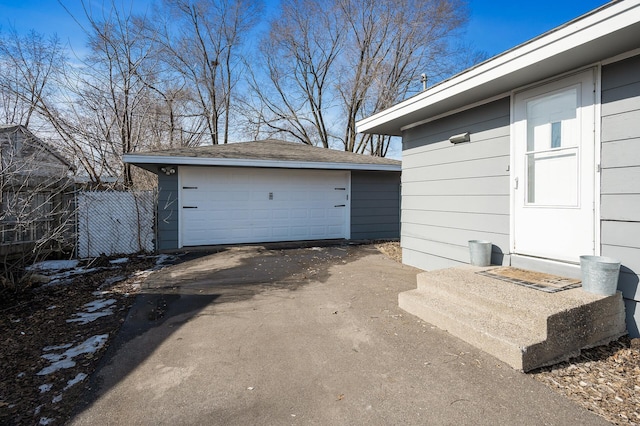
[96, 305]
[65, 359]
[80, 377]
[45, 388]
[57, 347]
[119, 261]
[57, 398]
[53, 265]
[44, 421]
[164, 258]
[94, 310]
[113, 280]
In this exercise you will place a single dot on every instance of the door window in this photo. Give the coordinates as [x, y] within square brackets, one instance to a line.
[552, 153]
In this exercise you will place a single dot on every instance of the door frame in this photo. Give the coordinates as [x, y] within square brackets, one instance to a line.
[597, 110]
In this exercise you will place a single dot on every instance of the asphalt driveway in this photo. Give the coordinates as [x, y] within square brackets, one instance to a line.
[251, 336]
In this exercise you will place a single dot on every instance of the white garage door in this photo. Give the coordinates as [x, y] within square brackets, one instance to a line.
[245, 205]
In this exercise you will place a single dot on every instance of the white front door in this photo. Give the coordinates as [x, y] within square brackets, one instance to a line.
[554, 169]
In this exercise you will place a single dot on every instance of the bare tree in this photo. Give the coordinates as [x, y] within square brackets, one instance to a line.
[389, 45]
[202, 43]
[102, 105]
[298, 58]
[28, 64]
[331, 63]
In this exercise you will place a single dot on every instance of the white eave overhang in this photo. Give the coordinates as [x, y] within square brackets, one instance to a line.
[603, 33]
[239, 162]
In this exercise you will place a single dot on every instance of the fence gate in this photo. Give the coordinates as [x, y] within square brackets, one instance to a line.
[115, 222]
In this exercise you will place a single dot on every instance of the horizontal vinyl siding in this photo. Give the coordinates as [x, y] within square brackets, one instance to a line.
[455, 193]
[375, 205]
[167, 212]
[620, 178]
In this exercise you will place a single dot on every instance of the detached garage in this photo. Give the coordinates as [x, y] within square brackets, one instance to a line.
[270, 191]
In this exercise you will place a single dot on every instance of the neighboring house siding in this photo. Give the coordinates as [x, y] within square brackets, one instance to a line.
[455, 193]
[167, 212]
[620, 177]
[375, 205]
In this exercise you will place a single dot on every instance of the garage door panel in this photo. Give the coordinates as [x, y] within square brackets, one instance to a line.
[318, 213]
[299, 232]
[281, 214]
[236, 205]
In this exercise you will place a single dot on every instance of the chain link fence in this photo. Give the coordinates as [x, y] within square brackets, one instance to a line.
[115, 222]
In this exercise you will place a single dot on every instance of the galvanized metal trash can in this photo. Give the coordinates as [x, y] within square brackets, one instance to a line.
[599, 274]
[480, 252]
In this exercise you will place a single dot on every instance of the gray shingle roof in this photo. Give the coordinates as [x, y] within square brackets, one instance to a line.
[270, 150]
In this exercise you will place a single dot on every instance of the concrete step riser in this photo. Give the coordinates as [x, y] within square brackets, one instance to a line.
[492, 317]
[487, 302]
[503, 350]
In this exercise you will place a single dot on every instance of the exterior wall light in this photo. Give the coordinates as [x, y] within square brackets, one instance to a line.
[462, 137]
[168, 170]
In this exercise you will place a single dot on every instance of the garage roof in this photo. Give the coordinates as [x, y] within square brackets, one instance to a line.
[610, 30]
[266, 153]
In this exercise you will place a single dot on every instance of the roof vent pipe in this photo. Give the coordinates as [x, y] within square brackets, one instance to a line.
[423, 79]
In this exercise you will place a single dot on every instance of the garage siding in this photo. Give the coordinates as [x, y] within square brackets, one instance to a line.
[375, 205]
[167, 212]
[620, 191]
[455, 193]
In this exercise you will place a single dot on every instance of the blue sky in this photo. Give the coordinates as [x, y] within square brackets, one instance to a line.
[494, 25]
[498, 25]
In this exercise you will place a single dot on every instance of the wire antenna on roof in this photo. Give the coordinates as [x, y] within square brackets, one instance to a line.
[423, 79]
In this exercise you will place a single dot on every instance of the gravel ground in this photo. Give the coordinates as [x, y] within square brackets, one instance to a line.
[604, 380]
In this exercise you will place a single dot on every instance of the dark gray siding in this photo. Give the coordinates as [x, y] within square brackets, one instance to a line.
[167, 212]
[620, 178]
[455, 193]
[375, 205]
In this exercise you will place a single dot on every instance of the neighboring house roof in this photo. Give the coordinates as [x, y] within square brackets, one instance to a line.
[33, 139]
[603, 33]
[266, 153]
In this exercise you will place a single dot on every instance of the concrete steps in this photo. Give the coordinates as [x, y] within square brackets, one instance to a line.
[523, 327]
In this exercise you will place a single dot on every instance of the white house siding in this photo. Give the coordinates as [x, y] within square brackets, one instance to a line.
[620, 178]
[455, 193]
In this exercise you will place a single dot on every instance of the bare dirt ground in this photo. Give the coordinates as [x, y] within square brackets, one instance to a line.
[53, 336]
[604, 380]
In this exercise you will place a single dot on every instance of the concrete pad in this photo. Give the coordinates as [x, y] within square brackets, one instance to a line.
[302, 336]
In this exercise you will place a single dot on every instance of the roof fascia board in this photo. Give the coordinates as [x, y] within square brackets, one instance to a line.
[238, 162]
[608, 19]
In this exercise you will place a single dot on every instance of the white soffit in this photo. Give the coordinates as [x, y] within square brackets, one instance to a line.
[610, 30]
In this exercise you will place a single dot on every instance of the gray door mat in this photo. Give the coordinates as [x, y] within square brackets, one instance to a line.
[535, 280]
